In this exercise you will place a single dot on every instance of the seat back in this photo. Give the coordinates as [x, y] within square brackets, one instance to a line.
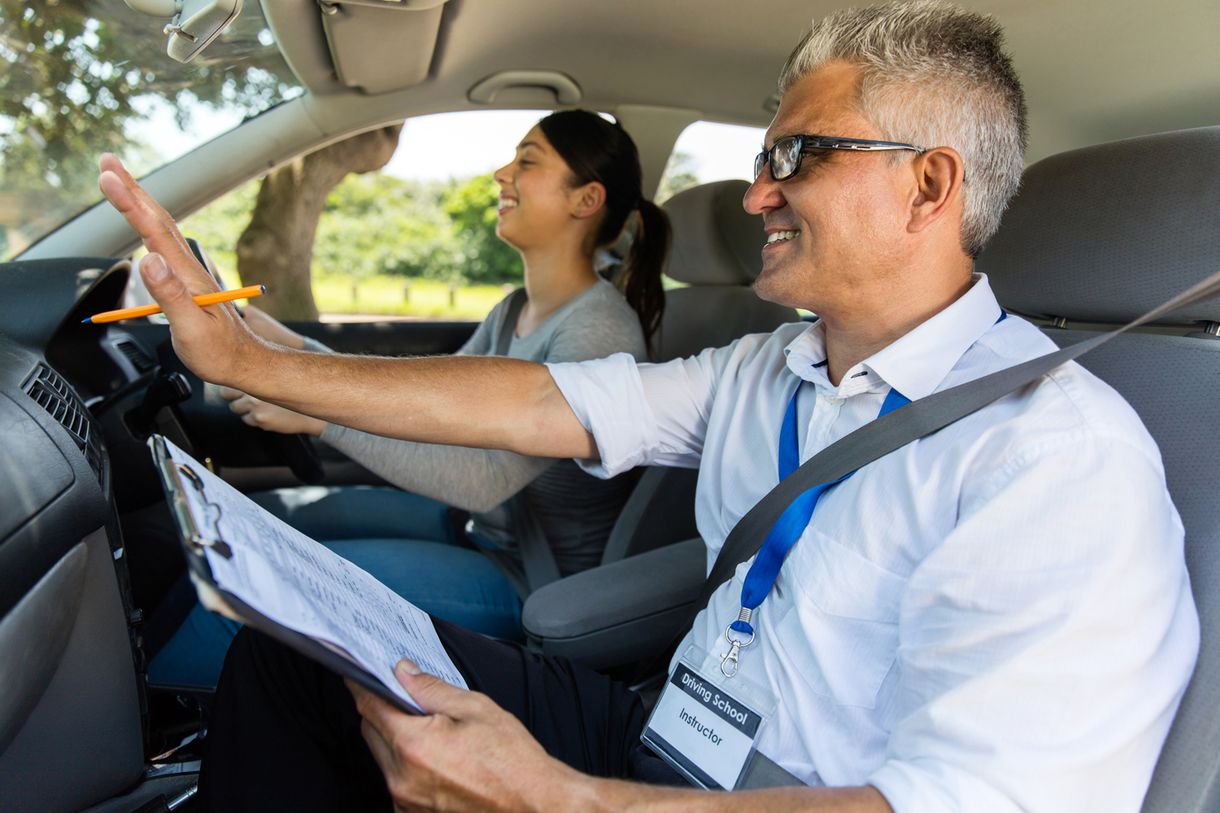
[715, 252]
[1097, 237]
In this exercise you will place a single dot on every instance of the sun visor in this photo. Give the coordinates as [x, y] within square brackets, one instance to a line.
[380, 47]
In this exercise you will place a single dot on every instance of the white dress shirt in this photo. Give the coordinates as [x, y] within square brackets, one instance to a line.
[995, 617]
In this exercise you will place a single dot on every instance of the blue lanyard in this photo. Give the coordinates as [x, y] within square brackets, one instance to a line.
[784, 534]
[761, 576]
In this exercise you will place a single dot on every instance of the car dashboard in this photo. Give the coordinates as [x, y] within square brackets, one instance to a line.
[65, 609]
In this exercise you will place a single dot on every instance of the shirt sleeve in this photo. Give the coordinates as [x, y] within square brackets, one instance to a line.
[643, 414]
[1043, 652]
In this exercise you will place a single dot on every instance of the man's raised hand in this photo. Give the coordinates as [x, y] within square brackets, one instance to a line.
[212, 341]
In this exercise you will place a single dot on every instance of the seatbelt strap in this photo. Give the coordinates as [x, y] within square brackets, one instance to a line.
[893, 431]
[537, 558]
[512, 312]
[764, 772]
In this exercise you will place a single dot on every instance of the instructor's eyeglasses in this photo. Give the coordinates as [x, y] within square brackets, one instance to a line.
[784, 157]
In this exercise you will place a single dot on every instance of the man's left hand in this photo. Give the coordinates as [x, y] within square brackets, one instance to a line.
[466, 753]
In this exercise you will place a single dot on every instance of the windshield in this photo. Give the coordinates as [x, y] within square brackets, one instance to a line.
[79, 77]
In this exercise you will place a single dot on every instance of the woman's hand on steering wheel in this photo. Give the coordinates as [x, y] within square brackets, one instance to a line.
[272, 329]
[262, 415]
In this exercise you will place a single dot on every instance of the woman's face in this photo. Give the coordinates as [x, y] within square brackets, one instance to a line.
[537, 196]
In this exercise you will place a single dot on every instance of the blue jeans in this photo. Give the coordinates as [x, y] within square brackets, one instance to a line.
[406, 541]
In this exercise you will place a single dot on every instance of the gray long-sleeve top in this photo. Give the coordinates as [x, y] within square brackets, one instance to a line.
[576, 510]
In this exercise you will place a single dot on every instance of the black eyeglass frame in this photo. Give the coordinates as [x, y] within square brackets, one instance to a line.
[805, 143]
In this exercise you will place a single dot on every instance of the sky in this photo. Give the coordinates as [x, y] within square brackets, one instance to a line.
[459, 145]
[456, 145]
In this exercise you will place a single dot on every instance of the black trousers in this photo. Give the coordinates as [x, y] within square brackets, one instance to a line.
[285, 735]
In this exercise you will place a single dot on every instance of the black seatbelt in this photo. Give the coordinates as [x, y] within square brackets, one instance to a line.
[537, 558]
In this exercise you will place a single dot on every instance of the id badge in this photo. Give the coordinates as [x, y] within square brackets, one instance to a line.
[705, 725]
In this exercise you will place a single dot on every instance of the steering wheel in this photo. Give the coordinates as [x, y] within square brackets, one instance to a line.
[212, 425]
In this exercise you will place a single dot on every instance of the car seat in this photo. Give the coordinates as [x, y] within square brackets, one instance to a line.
[593, 616]
[1096, 237]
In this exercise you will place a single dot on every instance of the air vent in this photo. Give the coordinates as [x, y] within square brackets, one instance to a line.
[139, 359]
[51, 392]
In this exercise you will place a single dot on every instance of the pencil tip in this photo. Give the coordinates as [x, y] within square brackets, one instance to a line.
[87, 320]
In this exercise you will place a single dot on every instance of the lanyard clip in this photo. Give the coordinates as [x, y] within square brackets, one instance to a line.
[730, 662]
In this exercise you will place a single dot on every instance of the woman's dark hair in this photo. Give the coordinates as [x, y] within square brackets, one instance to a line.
[599, 150]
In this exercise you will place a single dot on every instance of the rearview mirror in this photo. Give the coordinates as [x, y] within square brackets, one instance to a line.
[193, 24]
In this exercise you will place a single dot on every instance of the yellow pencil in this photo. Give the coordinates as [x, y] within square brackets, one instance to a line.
[249, 292]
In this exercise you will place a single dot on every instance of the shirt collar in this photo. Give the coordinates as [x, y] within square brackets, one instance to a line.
[915, 364]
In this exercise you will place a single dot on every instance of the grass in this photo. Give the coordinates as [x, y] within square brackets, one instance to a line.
[405, 296]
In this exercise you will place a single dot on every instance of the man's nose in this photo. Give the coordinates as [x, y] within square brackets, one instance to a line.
[764, 195]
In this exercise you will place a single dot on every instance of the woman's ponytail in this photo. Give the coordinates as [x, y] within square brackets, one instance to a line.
[599, 150]
[640, 279]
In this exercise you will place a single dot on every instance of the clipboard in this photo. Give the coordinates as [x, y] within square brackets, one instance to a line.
[197, 535]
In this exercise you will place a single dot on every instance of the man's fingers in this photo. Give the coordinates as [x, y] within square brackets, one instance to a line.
[150, 221]
[169, 290]
[434, 695]
[229, 394]
[116, 191]
[387, 761]
[383, 755]
[378, 714]
[143, 214]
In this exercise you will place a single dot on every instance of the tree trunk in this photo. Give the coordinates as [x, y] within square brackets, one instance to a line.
[276, 248]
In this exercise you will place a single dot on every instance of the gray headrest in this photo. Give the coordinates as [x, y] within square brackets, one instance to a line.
[715, 242]
[1105, 233]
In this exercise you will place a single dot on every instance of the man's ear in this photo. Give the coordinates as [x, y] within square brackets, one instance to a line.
[939, 175]
[588, 200]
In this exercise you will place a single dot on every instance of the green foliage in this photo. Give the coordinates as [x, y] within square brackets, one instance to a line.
[218, 226]
[679, 174]
[471, 205]
[78, 77]
[376, 225]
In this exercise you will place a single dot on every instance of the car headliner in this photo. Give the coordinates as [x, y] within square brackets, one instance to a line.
[1094, 71]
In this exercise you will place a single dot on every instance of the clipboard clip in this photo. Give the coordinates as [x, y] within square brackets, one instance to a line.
[196, 539]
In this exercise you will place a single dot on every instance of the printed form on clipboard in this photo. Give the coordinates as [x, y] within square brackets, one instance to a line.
[253, 567]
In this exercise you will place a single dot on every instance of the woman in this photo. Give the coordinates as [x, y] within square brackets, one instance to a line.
[573, 183]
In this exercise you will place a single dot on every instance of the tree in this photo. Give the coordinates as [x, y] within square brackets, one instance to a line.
[680, 173]
[485, 257]
[276, 248]
[380, 224]
[70, 90]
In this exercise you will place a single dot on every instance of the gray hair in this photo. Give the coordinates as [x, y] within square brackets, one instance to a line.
[933, 74]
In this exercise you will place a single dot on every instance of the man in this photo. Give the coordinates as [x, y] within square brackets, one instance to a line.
[995, 617]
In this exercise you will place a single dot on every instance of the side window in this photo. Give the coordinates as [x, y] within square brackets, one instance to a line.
[414, 239]
[707, 152]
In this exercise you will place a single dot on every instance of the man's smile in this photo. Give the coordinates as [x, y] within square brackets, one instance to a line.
[776, 237]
